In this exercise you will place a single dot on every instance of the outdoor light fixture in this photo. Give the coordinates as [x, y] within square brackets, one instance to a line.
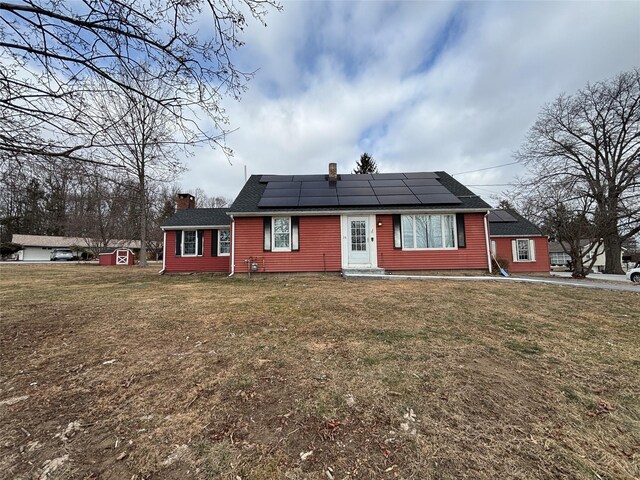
[379, 223]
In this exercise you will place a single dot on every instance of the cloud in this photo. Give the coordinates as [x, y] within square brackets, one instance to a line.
[420, 86]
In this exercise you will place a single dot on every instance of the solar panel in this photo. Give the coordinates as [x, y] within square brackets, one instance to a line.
[317, 201]
[388, 176]
[354, 191]
[276, 178]
[421, 182]
[309, 178]
[356, 176]
[392, 191]
[280, 185]
[318, 192]
[439, 198]
[278, 202]
[281, 192]
[501, 216]
[357, 190]
[411, 175]
[398, 200]
[387, 183]
[353, 183]
[429, 189]
[316, 184]
[354, 201]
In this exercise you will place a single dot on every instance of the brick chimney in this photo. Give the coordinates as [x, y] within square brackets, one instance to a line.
[185, 200]
[333, 172]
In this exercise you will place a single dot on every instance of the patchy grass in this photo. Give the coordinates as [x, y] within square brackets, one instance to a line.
[129, 374]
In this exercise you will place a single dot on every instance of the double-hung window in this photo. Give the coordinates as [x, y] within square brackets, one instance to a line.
[281, 234]
[189, 242]
[523, 250]
[224, 242]
[422, 232]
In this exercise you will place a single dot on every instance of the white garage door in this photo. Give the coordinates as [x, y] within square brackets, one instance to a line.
[37, 253]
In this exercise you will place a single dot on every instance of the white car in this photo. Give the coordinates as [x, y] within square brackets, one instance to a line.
[634, 275]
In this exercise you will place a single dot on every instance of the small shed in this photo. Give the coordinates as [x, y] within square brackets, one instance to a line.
[121, 256]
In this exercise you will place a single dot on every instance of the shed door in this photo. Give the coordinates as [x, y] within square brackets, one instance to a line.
[122, 257]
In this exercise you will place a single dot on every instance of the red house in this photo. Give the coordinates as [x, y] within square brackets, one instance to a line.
[196, 239]
[330, 223]
[519, 241]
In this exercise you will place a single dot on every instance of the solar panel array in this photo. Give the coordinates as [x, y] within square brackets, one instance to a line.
[420, 188]
[501, 216]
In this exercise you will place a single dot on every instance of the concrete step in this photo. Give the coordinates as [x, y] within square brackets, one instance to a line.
[361, 272]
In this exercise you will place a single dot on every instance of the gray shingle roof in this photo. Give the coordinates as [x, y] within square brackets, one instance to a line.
[520, 227]
[64, 242]
[198, 217]
[556, 247]
[250, 195]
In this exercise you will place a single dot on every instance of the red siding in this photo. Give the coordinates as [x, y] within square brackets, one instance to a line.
[319, 246]
[204, 263]
[474, 256]
[542, 263]
[106, 259]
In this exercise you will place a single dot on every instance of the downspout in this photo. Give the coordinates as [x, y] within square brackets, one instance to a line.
[164, 252]
[486, 237]
[233, 246]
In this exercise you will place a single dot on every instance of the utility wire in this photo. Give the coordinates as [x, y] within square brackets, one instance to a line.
[489, 184]
[486, 168]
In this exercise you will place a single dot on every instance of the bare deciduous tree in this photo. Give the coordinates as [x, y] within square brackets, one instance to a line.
[136, 134]
[50, 48]
[592, 138]
[567, 215]
[205, 201]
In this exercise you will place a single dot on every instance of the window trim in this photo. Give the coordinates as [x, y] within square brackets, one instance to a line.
[273, 235]
[220, 254]
[195, 254]
[442, 215]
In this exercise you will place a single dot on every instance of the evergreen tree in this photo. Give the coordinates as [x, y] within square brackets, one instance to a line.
[366, 164]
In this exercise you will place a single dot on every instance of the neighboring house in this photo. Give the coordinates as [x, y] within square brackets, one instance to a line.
[39, 247]
[329, 223]
[559, 257]
[516, 239]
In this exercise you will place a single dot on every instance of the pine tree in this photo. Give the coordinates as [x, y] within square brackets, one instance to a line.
[366, 164]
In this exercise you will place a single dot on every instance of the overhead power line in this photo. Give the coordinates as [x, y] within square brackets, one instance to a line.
[486, 168]
[489, 184]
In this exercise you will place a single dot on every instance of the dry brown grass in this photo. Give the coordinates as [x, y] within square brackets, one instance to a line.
[234, 378]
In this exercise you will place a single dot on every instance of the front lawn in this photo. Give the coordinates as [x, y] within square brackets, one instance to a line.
[110, 372]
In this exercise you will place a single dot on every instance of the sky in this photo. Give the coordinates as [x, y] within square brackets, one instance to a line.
[420, 86]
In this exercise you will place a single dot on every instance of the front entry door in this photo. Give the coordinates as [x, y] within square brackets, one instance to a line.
[358, 241]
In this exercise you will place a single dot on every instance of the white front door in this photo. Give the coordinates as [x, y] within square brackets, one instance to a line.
[359, 247]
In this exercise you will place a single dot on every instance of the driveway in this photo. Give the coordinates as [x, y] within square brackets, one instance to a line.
[567, 282]
[594, 276]
[616, 284]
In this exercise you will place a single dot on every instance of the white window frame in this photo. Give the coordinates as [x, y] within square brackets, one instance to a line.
[494, 248]
[273, 235]
[219, 243]
[195, 252]
[531, 245]
[442, 215]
